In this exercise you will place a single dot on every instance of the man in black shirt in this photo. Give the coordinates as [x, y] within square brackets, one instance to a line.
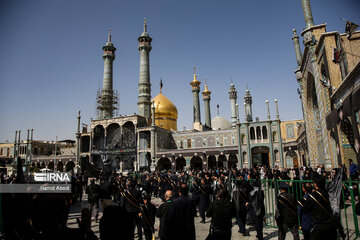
[221, 212]
[185, 212]
[147, 215]
[93, 191]
[205, 192]
[166, 215]
[240, 198]
[288, 213]
[318, 206]
[132, 204]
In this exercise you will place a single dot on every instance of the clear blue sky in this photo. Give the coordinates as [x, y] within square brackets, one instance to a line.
[51, 56]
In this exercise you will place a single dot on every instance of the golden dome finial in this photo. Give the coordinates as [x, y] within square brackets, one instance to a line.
[195, 74]
[206, 91]
[195, 82]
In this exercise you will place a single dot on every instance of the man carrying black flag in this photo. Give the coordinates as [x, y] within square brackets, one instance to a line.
[318, 206]
[334, 189]
[241, 198]
[205, 192]
[288, 213]
[257, 208]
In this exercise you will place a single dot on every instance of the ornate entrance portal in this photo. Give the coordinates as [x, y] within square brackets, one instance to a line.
[260, 156]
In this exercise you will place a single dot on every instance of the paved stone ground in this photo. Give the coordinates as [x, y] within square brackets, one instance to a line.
[202, 229]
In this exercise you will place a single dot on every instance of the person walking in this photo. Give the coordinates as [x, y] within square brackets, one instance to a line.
[256, 208]
[318, 206]
[93, 191]
[205, 192]
[132, 204]
[185, 212]
[353, 170]
[147, 215]
[306, 221]
[240, 199]
[288, 213]
[221, 211]
[166, 215]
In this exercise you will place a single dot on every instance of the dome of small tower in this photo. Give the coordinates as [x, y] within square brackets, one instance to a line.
[166, 113]
[220, 123]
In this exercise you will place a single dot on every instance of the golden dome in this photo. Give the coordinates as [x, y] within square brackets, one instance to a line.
[166, 113]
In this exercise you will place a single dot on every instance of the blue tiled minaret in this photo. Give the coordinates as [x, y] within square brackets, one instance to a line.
[106, 99]
[144, 97]
[206, 97]
[195, 88]
[248, 107]
[233, 99]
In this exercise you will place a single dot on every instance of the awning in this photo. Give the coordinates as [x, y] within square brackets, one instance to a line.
[332, 119]
[355, 99]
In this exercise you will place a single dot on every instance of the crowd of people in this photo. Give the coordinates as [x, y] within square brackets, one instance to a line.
[215, 195]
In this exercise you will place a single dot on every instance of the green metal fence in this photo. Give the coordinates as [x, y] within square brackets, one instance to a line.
[348, 217]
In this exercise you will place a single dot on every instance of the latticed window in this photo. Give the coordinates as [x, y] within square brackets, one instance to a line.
[264, 132]
[189, 143]
[252, 133]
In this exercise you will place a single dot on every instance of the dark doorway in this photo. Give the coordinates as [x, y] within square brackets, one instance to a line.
[163, 164]
[196, 163]
[211, 162]
[180, 163]
[260, 156]
[221, 161]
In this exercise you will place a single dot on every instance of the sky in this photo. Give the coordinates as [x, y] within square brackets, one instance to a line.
[51, 62]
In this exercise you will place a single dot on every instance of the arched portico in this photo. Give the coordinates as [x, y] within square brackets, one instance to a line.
[43, 165]
[163, 164]
[233, 160]
[180, 163]
[211, 162]
[99, 137]
[60, 166]
[69, 166]
[221, 161]
[51, 165]
[196, 163]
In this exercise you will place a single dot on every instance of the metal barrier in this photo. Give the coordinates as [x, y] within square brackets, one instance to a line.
[348, 217]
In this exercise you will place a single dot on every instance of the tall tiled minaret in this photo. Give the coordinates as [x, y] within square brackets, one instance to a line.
[248, 107]
[309, 21]
[233, 99]
[195, 88]
[144, 97]
[106, 99]
[206, 97]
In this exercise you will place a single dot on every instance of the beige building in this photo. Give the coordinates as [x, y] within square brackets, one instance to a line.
[294, 143]
[327, 60]
[40, 154]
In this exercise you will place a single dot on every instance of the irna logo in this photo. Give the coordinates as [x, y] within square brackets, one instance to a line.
[52, 177]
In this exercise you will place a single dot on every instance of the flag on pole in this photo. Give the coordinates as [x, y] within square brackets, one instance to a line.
[161, 84]
[334, 189]
[350, 28]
